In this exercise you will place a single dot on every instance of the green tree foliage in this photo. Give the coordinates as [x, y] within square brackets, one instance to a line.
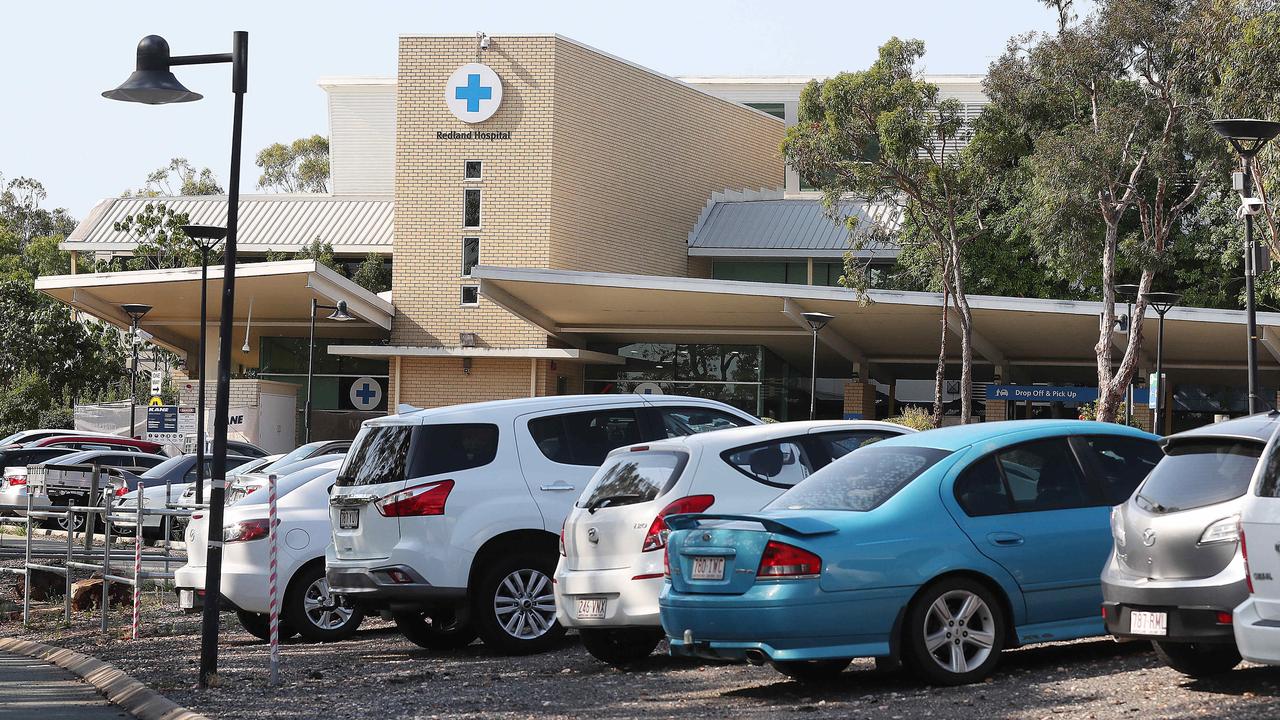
[299, 167]
[178, 178]
[161, 243]
[22, 216]
[374, 274]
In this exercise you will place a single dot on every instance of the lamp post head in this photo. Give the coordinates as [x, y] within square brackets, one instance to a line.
[135, 311]
[1127, 291]
[817, 320]
[1162, 302]
[340, 313]
[1246, 135]
[152, 82]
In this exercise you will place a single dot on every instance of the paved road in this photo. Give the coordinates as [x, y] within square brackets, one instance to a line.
[35, 689]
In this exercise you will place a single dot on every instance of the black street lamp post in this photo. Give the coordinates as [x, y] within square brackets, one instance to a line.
[154, 84]
[816, 321]
[1248, 136]
[1130, 293]
[208, 237]
[1161, 302]
[340, 314]
[135, 313]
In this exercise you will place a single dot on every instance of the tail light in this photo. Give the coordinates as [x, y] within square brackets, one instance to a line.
[16, 480]
[783, 560]
[656, 538]
[1244, 553]
[246, 530]
[666, 565]
[427, 499]
[1223, 618]
[562, 552]
[121, 491]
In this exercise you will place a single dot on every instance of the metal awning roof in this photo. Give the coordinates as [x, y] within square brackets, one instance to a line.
[783, 228]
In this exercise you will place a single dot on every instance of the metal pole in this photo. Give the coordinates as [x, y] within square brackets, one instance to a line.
[273, 591]
[204, 371]
[106, 559]
[311, 351]
[813, 377]
[168, 521]
[137, 563]
[1128, 401]
[66, 575]
[133, 383]
[1159, 418]
[222, 400]
[1250, 312]
[26, 570]
[90, 519]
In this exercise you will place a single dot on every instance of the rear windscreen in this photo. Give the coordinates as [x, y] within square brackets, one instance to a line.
[861, 480]
[632, 478]
[391, 453]
[379, 455]
[1195, 473]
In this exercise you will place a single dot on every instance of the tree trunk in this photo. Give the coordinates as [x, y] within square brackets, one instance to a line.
[1115, 390]
[1106, 408]
[966, 342]
[941, 373]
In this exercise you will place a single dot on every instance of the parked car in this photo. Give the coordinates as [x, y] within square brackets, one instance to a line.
[189, 493]
[1176, 570]
[13, 465]
[26, 436]
[941, 548]
[98, 442]
[249, 483]
[1256, 620]
[180, 473]
[610, 571]
[245, 449]
[448, 518]
[67, 480]
[307, 607]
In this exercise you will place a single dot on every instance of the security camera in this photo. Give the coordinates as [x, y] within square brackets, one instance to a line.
[1251, 205]
[484, 41]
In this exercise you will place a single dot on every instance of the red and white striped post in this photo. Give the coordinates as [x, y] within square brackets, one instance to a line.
[137, 563]
[273, 589]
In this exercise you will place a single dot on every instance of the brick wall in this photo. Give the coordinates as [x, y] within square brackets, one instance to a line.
[859, 400]
[432, 382]
[244, 392]
[996, 410]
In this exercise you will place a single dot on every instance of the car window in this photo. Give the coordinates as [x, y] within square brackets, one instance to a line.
[842, 442]
[860, 481]
[439, 449]
[1196, 473]
[633, 477]
[682, 421]
[980, 489]
[584, 438]
[779, 463]
[380, 454]
[1044, 475]
[1124, 462]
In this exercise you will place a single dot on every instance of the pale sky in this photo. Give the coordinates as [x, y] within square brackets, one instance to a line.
[58, 56]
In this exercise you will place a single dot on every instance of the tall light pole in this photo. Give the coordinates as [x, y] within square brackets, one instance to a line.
[1161, 302]
[340, 314]
[135, 312]
[1130, 293]
[207, 237]
[816, 321]
[1248, 136]
[153, 83]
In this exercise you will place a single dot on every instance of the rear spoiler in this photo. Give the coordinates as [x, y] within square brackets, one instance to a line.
[790, 525]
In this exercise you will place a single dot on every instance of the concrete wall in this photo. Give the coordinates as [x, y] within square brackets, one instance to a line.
[362, 132]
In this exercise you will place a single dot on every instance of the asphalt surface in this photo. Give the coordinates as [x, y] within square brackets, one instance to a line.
[32, 688]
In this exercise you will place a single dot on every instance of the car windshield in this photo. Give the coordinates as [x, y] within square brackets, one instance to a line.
[860, 481]
[299, 453]
[633, 477]
[164, 468]
[1196, 473]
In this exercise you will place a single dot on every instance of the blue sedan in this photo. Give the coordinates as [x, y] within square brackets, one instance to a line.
[939, 548]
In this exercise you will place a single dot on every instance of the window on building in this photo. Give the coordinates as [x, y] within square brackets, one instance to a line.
[470, 254]
[473, 170]
[777, 110]
[794, 273]
[470, 295]
[471, 208]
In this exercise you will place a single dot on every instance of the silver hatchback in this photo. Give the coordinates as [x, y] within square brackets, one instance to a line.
[1176, 571]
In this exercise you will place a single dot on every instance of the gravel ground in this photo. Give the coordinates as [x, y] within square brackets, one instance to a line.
[379, 674]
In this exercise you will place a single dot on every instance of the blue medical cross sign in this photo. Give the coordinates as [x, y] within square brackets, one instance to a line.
[366, 394]
[473, 92]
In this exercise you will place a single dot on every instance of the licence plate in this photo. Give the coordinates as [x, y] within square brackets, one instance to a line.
[591, 608]
[349, 518]
[708, 568]
[186, 599]
[1148, 623]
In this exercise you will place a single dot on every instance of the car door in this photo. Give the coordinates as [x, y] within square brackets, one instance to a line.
[1031, 508]
[1260, 532]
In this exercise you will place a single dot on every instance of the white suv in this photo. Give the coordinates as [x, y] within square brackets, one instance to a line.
[448, 518]
[613, 543]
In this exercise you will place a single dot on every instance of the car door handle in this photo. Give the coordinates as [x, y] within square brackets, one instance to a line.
[1005, 539]
[557, 487]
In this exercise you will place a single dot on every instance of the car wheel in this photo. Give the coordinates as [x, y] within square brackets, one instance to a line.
[259, 625]
[515, 607]
[1198, 659]
[436, 630]
[812, 671]
[620, 646]
[318, 614]
[955, 631]
[77, 522]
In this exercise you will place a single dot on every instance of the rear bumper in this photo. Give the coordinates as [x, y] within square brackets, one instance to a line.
[1192, 606]
[631, 598]
[376, 585]
[1257, 631]
[1185, 624]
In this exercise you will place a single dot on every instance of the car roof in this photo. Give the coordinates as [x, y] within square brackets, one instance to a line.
[1259, 426]
[750, 434]
[960, 436]
[520, 406]
[80, 456]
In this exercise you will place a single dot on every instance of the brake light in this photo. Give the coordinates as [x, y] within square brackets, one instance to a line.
[1244, 553]
[783, 560]
[562, 552]
[639, 448]
[426, 499]
[656, 538]
[246, 530]
[121, 491]
[1224, 618]
[15, 480]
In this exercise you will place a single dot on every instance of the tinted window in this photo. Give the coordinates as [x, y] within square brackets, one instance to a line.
[839, 444]
[379, 455]
[1043, 475]
[471, 208]
[860, 481]
[1271, 477]
[1123, 462]
[439, 449]
[633, 478]
[682, 421]
[584, 438]
[780, 463]
[980, 489]
[166, 467]
[1196, 473]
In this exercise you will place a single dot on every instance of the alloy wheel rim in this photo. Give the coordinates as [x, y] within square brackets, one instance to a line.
[77, 522]
[959, 631]
[525, 604]
[325, 610]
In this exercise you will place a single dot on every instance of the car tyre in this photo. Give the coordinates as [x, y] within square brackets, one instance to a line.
[1198, 660]
[259, 625]
[955, 630]
[515, 606]
[620, 646]
[812, 672]
[436, 630]
[316, 613]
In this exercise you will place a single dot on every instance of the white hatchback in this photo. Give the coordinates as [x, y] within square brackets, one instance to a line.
[1256, 621]
[612, 544]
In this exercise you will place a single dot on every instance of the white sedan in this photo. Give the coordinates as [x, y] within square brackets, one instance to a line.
[613, 543]
[307, 607]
